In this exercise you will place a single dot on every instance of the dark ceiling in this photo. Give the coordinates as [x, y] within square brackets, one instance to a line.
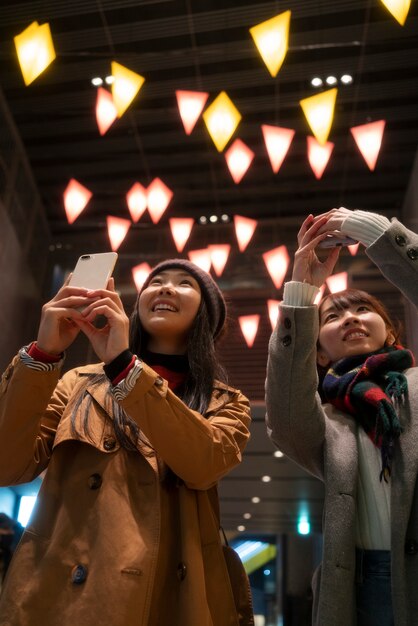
[206, 45]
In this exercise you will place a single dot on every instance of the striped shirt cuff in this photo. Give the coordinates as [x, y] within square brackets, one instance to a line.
[365, 226]
[40, 366]
[125, 386]
[299, 294]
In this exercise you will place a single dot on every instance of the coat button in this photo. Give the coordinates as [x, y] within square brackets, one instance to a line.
[159, 381]
[412, 253]
[287, 323]
[411, 547]
[287, 340]
[181, 571]
[78, 574]
[400, 240]
[95, 481]
[8, 373]
[109, 443]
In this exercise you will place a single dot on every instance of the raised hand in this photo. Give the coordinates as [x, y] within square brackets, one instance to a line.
[307, 267]
[333, 223]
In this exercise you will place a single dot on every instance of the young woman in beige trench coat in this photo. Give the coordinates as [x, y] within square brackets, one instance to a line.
[125, 531]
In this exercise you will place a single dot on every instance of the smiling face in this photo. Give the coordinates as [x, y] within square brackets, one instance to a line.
[167, 308]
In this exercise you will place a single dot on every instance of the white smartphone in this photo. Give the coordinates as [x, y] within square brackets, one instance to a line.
[336, 242]
[92, 271]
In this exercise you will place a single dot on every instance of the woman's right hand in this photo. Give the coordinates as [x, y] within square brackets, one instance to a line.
[307, 267]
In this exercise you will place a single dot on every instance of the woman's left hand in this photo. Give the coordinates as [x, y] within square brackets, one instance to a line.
[334, 221]
[107, 342]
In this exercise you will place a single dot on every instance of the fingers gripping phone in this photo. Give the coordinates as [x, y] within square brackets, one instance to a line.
[93, 271]
[336, 242]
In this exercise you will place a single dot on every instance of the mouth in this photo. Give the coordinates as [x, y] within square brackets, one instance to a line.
[351, 335]
[164, 306]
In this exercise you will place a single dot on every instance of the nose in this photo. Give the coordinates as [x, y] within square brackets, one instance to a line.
[166, 288]
[349, 318]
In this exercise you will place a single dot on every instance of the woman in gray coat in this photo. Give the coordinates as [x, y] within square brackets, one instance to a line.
[359, 435]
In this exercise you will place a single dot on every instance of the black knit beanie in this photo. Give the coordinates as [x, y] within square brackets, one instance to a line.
[211, 293]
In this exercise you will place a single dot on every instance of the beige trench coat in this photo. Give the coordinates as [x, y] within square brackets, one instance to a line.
[113, 539]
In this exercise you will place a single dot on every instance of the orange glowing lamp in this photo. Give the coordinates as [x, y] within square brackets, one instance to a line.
[159, 197]
[117, 228]
[191, 105]
[137, 199]
[368, 138]
[319, 112]
[35, 50]
[277, 142]
[249, 327]
[219, 254]
[398, 8]
[221, 119]
[337, 282]
[273, 309]
[238, 158]
[271, 38]
[105, 110]
[354, 248]
[181, 227]
[140, 274]
[201, 258]
[318, 155]
[244, 230]
[277, 262]
[76, 198]
[125, 86]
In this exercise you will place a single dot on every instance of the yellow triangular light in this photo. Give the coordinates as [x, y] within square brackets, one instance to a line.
[35, 50]
[221, 119]
[125, 86]
[271, 38]
[398, 8]
[319, 111]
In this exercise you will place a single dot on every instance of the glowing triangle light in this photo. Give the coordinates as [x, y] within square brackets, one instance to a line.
[273, 309]
[318, 155]
[137, 199]
[249, 326]
[337, 282]
[35, 50]
[117, 228]
[125, 86]
[277, 262]
[319, 112]
[238, 158]
[219, 254]
[105, 110]
[354, 248]
[368, 138]
[159, 197]
[76, 198]
[181, 227]
[244, 230]
[398, 8]
[271, 38]
[277, 142]
[190, 104]
[201, 258]
[221, 119]
[140, 274]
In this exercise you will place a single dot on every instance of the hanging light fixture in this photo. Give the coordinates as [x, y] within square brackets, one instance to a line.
[337, 282]
[273, 309]
[238, 158]
[368, 138]
[277, 262]
[35, 50]
[125, 86]
[249, 326]
[318, 155]
[181, 227]
[219, 254]
[191, 105]
[244, 230]
[277, 142]
[76, 198]
[221, 119]
[398, 8]
[201, 258]
[117, 229]
[319, 112]
[354, 248]
[105, 110]
[159, 197]
[137, 199]
[271, 38]
[140, 274]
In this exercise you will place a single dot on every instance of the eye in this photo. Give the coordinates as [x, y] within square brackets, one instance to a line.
[363, 307]
[186, 281]
[329, 317]
[155, 281]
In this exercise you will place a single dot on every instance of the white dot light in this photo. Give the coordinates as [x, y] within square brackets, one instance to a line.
[97, 81]
[255, 500]
[316, 82]
[109, 80]
[203, 219]
[213, 219]
[331, 80]
[225, 218]
[266, 479]
[247, 516]
[278, 454]
[346, 79]
[241, 528]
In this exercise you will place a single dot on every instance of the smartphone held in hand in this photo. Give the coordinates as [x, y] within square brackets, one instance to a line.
[336, 242]
[93, 271]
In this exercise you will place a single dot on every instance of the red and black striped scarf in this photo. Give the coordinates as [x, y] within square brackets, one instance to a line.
[364, 386]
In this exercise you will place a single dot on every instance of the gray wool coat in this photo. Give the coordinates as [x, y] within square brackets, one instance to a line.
[323, 441]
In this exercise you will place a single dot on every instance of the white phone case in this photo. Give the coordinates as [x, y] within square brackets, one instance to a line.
[93, 270]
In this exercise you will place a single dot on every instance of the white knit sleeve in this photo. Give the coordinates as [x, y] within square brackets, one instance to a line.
[299, 294]
[364, 226]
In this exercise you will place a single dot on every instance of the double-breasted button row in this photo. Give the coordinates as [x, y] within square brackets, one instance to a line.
[94, 481]
[286, 340]
[109, 443]
[79, 574]
[287, 323]
[400, 240]
[181, 571]
[411, 547]
[412, 253]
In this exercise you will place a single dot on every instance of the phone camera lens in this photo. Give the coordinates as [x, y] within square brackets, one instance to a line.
[84, 257]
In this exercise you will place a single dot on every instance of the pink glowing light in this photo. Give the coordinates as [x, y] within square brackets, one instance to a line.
[277, 142]
[249, 327]
[318, 155]
[76, 198]
[137, 199]
[238, 158]
[181, 227]
[277, 262]
[191, 105]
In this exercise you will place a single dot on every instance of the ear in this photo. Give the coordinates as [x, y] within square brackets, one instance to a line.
[390, 339]
[322, 359]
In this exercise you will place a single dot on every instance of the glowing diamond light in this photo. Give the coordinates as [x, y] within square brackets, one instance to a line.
[398, 8]
[271, 38]
[249, 326]
[137, 199]
[277, 262]
[318, 155]
[273, 309]
[190, 104]
[277, 142]
[221, 119]
[76, 198]
[354, 248]
[244, 230]
[105, 110]
[219, 254]
[319, 112]
[140, 274]
[117, 229]
[337, 282]
[201, 258]
[368, 138]
[181, 227]
[159, 197]
[35, 50]
[238, 158]
[125, 86]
